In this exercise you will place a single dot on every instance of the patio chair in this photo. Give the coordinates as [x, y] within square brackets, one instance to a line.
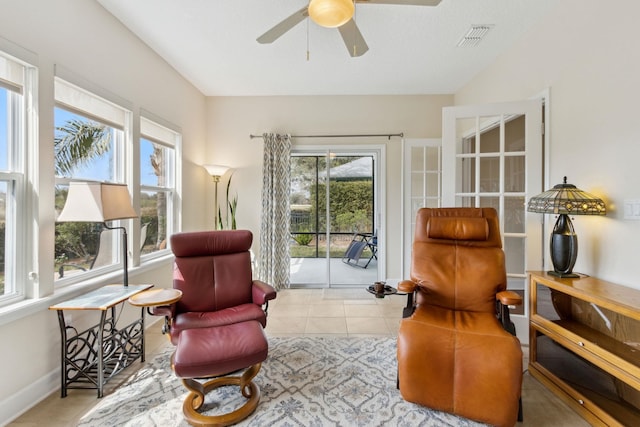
[359, 243]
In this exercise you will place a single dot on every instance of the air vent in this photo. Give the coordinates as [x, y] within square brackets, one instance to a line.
[474, 35]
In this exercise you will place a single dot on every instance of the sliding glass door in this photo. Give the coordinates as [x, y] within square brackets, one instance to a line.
[333, 217]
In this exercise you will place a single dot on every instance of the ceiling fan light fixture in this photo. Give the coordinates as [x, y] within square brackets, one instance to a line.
[331, 13]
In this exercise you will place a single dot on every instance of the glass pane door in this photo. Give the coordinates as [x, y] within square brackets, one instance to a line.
[422, 174]
[492, 157]
[333, 236]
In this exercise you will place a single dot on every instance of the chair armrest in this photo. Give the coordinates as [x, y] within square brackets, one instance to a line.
[509, 298]
[407, 286]
[262, 292]
[504, 300]
[163, 310]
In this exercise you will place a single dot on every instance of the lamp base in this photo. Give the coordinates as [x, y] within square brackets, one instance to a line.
[564, 247]
[563, 275]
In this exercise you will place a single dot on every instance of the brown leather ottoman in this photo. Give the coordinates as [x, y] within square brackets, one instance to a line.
[216, 351]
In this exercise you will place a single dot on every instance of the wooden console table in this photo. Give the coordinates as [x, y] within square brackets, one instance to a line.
[585, 345]
[92, 357]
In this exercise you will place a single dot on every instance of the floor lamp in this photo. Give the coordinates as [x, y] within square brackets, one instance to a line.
[216, 172]
[100, 202]
[564, 200]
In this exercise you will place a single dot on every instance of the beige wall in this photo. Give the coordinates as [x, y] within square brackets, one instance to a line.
[231, 120]
[80, 36]
[586, 53]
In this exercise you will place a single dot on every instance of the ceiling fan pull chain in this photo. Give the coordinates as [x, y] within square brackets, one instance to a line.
[355, 12]
[307, 39]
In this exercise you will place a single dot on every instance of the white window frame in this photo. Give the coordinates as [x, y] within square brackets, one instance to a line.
[20, 78]
[89, 101]
[158, 131]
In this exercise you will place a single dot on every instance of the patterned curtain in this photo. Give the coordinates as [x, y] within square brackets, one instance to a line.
[273, 265]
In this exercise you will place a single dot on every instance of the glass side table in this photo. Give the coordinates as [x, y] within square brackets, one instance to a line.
[92, 357]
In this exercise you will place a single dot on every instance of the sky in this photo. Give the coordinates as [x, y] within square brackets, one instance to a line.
[99, 170]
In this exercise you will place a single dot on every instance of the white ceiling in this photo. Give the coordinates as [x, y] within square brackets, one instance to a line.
[412, 49]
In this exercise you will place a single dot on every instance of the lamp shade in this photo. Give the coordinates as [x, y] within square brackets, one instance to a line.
[331, 13]
[96, 202]
[567, 199]
[216, 170]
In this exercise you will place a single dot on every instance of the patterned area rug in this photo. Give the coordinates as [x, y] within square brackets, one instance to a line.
[304, 382]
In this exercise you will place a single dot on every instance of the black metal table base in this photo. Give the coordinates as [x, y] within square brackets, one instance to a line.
[92, 357]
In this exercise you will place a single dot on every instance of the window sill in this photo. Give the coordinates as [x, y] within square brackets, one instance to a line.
[28, 307]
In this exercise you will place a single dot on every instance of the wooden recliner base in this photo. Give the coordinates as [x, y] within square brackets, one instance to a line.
[195, 399]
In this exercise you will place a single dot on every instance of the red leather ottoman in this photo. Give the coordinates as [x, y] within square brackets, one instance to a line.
[215, 351]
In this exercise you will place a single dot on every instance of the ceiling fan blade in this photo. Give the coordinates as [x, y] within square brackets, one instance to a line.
[285, 25]
[353, 39]
[403, 2]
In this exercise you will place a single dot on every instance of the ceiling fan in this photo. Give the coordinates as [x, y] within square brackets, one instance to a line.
[335, 14]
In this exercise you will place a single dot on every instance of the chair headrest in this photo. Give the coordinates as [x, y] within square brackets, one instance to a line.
[207, 243]
[463, 226]
[458, 228]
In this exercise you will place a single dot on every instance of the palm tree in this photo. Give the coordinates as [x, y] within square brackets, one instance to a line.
[77, 143]
[157, 163]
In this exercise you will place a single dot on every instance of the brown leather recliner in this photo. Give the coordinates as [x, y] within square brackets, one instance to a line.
[454, 354]
[213, 271]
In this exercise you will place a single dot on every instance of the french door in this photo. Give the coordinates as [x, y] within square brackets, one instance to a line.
[422, 172]
[492, 156]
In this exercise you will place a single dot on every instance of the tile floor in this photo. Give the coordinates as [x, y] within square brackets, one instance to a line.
[336, 312]
[308, 312]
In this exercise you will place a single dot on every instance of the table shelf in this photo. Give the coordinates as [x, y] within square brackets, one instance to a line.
[91, 357]
[584, 336]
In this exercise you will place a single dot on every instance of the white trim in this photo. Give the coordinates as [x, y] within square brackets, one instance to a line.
[78, 99]
[28, 397]
[157, 120]
[545, 95]
[150, 129]
[19, 53]
[21, 237]
[64, 74]
[13, 312]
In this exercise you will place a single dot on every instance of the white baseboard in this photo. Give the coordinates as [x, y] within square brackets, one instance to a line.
[23, 400]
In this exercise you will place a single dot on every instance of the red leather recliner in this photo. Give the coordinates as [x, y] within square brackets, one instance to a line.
[454, 355]
[217, 325]
[213, 271]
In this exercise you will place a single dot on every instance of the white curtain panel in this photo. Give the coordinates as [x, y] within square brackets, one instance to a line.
[273, 265]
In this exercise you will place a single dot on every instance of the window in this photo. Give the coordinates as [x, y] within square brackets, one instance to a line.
[15, 120]
[158, 196]
[89, 145]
